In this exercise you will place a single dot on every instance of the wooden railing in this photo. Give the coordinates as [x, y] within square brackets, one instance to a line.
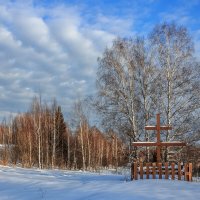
[159, 170]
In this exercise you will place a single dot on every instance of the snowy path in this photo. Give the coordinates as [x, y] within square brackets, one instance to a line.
[23, 184]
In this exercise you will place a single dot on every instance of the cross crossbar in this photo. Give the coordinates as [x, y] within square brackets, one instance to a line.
[167, 144]
[158, 143]
[155, 128]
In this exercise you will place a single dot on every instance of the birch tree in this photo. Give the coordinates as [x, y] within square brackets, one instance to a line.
[117, 87]
[124, 83]
[173, 56]
[36, 110]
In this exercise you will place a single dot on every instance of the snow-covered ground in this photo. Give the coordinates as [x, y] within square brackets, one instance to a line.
[21, 184]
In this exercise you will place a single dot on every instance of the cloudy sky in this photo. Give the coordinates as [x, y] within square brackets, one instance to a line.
[51, 47]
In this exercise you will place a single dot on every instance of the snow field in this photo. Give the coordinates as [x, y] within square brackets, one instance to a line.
[33, 184]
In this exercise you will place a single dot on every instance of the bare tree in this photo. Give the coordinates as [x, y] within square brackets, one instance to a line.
[124, 82]
[177, 84]
[117, 87]
[81, 119]
[54, 106]
[37, 112]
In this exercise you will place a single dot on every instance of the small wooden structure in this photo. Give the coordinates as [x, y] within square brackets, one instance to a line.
[157, 170]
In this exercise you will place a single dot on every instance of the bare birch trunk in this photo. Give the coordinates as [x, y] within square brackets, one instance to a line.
[89, 148]
[54, 141]
[68, 150]
[82, 144]
[30, 148]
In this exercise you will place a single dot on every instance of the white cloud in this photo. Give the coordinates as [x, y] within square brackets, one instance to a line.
[52, 51]
[115, 25]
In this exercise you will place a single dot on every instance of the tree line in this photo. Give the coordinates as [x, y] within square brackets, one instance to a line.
[41, 138]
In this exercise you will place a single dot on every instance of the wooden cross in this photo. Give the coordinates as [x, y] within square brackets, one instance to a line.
[158, 143]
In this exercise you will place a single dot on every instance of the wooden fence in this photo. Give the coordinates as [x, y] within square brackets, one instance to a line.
[157, 170]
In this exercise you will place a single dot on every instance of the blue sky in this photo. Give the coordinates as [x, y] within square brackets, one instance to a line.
[51, 47]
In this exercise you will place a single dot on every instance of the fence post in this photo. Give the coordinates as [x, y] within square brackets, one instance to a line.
[166, 171]
[190, 172]
[141, 170]
[173, 172]
[135, 171]
[154, 170]
[160, 170]
[186, 172]
[147, 170]
[179, 171]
